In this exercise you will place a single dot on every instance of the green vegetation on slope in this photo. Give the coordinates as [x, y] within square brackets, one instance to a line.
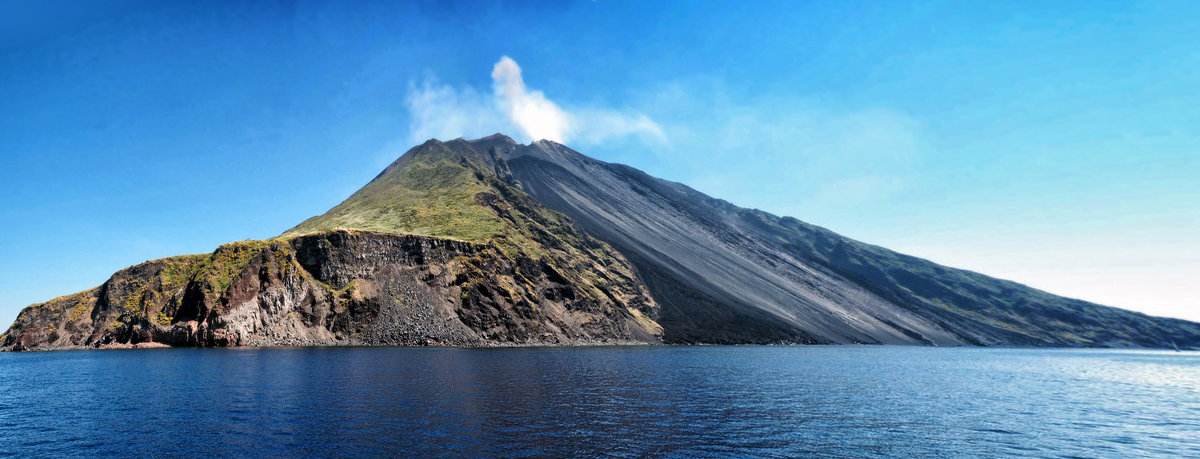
[225, 263]
[431, 196]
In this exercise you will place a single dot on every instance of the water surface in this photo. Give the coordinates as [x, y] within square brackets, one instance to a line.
[626, 402]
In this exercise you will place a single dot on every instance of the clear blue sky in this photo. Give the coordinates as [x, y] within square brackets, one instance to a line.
[1053, 143]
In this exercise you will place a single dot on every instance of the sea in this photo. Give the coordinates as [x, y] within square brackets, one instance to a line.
[637, 401]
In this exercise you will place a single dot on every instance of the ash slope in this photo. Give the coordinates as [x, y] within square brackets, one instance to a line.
[721, 273]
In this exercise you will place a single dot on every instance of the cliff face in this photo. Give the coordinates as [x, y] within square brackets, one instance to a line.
[340, 287]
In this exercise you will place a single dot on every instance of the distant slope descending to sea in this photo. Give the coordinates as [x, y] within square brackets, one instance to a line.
[707, 261]
[489, 242]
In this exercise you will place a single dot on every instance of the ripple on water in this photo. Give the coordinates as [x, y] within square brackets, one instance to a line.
[840, 401]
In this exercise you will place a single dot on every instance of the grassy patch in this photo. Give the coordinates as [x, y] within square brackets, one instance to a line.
[428, 198]
[223, 266]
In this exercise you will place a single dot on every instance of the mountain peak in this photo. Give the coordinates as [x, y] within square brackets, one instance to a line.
[439, 188]
[485, 149]
[496, 144]
[496, 137]
[547, 150]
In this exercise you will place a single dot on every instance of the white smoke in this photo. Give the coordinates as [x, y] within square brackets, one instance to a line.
[443, 112]
[536, 116]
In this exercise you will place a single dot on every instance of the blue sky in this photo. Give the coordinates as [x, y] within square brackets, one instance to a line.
[1053, 143]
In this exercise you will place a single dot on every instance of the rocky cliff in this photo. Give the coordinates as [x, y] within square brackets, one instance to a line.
[341, 287]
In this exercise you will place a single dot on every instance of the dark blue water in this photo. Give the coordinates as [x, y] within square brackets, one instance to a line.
[660, 401]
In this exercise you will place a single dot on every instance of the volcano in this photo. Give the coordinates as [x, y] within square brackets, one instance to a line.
[490, 242]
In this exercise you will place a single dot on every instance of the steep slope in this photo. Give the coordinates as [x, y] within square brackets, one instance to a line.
[724, 273]
[443, 252]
